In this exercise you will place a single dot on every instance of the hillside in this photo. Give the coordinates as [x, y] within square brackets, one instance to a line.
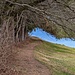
[58, 58]
[37, 57]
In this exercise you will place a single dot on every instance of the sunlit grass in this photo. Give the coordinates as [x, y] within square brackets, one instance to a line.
[58, 58]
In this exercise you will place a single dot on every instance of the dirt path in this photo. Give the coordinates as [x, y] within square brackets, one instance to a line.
[26, 63]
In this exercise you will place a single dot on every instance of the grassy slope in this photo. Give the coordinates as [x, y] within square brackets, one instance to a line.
[58, 58]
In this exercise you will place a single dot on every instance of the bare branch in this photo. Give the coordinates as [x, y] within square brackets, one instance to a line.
[46, 14]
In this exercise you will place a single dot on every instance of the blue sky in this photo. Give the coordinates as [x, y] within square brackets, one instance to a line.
[47, 37]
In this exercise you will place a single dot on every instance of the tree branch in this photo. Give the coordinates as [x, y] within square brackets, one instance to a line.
[36, 2]
[46, 14]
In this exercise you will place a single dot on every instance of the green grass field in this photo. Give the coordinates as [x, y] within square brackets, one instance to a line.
[58, 58]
